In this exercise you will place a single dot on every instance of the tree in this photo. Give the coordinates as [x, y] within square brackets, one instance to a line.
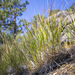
[37, 18]
[3, 16]
[6, 37]
[12, 9]
[24, 25]
[54, 11]
[72, 8]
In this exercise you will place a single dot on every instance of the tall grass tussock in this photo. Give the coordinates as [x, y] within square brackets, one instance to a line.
[37, 47]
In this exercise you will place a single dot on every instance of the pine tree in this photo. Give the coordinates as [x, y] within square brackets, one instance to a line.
[2, 19]
[12, 9]
[36, 19]
[72, 8]
[54, 11]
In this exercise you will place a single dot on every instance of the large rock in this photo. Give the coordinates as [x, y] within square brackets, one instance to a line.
[67, 18]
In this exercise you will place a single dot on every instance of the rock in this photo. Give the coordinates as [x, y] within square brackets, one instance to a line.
[11, 71]
[33, 65]
[63, 38]
[22, 70]
[67, 18]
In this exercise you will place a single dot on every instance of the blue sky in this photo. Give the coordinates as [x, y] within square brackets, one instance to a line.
[41, 7]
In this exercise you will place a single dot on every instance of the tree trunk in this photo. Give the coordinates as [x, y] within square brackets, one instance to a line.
[14, 26]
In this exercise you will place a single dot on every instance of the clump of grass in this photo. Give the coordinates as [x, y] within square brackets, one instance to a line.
[38, 45]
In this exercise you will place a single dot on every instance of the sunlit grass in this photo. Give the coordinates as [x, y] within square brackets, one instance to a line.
[38, 45]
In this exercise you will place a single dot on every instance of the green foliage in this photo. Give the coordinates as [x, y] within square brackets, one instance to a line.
[72, 8]
[54, 11]
[36, 19]
[5, 36]
[24, 24]
[10, 10]
[43, 37]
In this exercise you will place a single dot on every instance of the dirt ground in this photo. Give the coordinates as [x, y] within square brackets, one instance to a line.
[66, 69]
